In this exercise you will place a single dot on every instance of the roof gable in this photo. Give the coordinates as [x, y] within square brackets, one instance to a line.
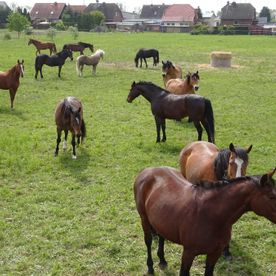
[76, 8]
[180, 12]
[153, 11]
[47, 11]
[238, 11]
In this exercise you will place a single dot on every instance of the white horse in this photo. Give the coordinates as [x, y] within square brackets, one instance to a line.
[89, 60]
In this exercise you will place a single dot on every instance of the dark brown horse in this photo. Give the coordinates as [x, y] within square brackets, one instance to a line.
[9, 80]
[170, 71]
[203, 161]
[79, 47]
[198, 217]
[165, 105]
[143, 54]
[69, 117]
[43, 46]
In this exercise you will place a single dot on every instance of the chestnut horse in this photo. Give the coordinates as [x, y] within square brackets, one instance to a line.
[170, 71]
[198, 217]
[79, 47]
[187, 86]
[9, 80]
[43, 46]
[165, 105]
[69, 117]
[203, 161]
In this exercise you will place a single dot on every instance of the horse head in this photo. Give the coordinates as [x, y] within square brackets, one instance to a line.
[20, 67]
[91, 47]
[193, 80]
[133, 93]
[30, 41]
[69, 53]
[238, 161]
[75, 120]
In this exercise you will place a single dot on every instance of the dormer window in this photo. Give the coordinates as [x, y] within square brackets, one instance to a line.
[36, 12]
[52, 12]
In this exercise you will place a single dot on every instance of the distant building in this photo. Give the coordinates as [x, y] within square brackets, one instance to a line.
[4, 11]
[76, 8]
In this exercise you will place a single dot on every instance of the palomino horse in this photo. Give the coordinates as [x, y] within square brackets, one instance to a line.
[69, 117]
[202, 161]
[43, 46]
[142, 54]
[54, 60]
[9, 80]
[92, 60]
[187, 86]
[198, 217]
[165, 105]
[79, 47]
[170, 71]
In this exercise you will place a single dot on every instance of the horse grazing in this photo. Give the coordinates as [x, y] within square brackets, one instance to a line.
[79, 47]
[69, 117]
[9, 80]
[89, 60]
[43, 46]
[54, 60]
[203, 161]
[170, 71]
[142, 54]
[165, 105]
[187, 86]
[198, 217]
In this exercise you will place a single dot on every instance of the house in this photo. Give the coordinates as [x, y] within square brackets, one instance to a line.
[238, 14]
[46, 12]
[76, 8]
[111, 11]
[179, 18]
[4, 12]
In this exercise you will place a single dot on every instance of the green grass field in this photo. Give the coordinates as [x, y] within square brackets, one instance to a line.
[60, 216]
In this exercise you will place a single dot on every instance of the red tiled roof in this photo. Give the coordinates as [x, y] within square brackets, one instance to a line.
[77, 8]
[47, 11]
[179, 12]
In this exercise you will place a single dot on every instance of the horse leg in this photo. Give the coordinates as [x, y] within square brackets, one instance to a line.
[226, 253]
[74, 156]
[141, 62]
[158, 126]
[58, 140]
[59, 69]
[65, 140]
[211, 261]
[207, 128]
[146, 62]
[186, 263]
[160, 253]
[12, 95]
[163, 125]
[94, 69]
[199, 129]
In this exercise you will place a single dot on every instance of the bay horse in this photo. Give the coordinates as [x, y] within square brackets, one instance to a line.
[55, 60]
[143, 53]
[79, 47]
[203, 161]
[187, 86]
[69, 117]
[9, 80]
[92, 60]
[165, 105]
[198, 217]
[170, 71]
[43, 46]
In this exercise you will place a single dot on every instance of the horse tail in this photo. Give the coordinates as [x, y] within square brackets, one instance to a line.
[83, 130]
[157, 57]
[209, 116]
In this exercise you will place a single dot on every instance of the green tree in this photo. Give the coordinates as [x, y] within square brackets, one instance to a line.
[17, 22]
[98, 18]
[265, 12]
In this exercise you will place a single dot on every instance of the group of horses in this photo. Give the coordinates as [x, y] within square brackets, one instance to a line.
[197, 205]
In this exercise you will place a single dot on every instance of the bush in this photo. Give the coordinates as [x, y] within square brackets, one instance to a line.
[7, 36]
[29, 30]
[51, 33]
[74, 32]
[60, 26]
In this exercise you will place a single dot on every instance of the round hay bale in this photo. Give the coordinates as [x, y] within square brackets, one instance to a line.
[221, 59]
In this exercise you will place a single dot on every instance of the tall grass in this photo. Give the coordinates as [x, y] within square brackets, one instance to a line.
[60, 216]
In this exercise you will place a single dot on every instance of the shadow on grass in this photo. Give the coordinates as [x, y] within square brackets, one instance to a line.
[12, 112]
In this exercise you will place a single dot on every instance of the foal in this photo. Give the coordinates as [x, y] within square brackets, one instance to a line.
[170, 71]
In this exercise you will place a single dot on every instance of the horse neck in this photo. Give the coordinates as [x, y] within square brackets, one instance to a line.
[149, 94]
[14, 72]
[188, 85]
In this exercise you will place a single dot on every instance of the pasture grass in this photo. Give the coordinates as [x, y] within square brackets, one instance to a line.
[60, 216]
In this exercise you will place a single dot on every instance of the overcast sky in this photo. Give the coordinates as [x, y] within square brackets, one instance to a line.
[131, 5]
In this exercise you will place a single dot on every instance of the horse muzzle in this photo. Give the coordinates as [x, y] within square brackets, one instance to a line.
[196, 87]
[129, 100]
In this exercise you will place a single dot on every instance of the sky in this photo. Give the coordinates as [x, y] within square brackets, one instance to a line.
[131, 5]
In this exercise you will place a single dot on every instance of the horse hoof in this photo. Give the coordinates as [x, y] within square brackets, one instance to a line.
[163, 265]
[228, 258]
[74, 157]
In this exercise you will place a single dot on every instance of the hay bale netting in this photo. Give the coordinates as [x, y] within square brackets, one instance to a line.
[221, 59]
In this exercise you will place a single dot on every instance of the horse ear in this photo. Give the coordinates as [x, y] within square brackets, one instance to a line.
[232, 148]
[18, 61]
[133, 84]
[249, 148]
[163, 62]
[22, 61]
[267, 177]
[188, 76]
[79, 110]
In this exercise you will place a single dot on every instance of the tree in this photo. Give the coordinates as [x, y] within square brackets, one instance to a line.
[199, 13]
[17, 22]
[98, 18]
[265, 12]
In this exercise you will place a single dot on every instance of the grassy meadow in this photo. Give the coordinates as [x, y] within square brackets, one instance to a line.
[60, 216]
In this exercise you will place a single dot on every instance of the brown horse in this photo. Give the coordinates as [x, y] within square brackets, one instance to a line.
[165, 105]
[69, 117]
[79, 47]
[187, 86]
[43, 46]
[198, 217]
[202, 161]
[9, 80]
[170, 71]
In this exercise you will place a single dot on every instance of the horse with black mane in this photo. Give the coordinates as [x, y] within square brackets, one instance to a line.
[79, 47]
[9, 80]
[69, 117]
[143, 53]
[54, 60]
[165, 105]
[170, 71]
[198, 217]
[43, 46]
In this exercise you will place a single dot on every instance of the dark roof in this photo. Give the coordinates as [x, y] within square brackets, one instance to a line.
[47, 11]
[153, 11]
[3, 5]
[76, 8]
[111, 11]
[235, 10]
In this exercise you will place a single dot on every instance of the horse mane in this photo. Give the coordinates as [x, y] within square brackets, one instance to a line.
[152, 84]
